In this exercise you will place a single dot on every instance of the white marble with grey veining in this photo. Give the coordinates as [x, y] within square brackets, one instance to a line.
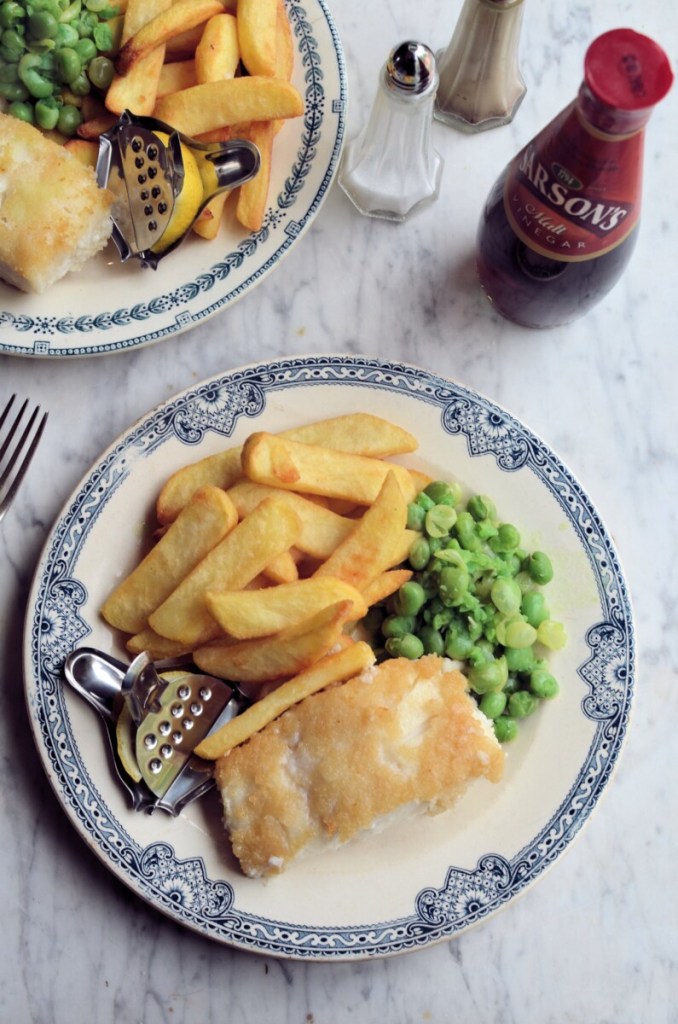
[596, 941]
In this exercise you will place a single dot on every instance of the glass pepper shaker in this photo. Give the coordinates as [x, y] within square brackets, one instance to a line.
[481, 85]
[391, 169]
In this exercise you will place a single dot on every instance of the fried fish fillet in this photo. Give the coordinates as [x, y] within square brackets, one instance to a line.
[53, 215]
[405, 736]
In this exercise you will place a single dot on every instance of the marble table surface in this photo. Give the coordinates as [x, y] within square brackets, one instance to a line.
[597, 939]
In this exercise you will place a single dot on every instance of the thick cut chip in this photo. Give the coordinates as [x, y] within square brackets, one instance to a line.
[310, 469]
[385, 584]
[207, 518]
[158, 648]
[257, 35]
[217, 54]
[180, 17]
[179, 75]
[334, 668]
[256, 613]
[321, 530]
[253, 195]
[231, 101]
[137, 91]
[243, 554]
[360, 433]
[279, 656]
[375, 544]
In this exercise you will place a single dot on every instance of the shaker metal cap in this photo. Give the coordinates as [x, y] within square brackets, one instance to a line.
[411, 67]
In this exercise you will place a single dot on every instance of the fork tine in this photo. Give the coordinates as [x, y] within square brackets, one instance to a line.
[18, 458]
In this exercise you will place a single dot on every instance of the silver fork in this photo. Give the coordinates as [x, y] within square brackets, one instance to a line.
[15, 456]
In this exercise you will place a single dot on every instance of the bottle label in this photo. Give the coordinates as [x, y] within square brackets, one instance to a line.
[573, 193]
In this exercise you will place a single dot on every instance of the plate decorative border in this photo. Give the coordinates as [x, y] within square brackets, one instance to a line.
[181, 887]
[277, 219]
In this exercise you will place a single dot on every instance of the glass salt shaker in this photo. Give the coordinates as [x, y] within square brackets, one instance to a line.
[481, 85]
[391, 169]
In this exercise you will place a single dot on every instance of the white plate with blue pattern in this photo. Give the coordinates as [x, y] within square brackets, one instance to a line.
[112, 307]
[404, 888]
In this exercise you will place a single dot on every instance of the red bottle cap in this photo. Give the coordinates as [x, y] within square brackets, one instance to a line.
[626, 70]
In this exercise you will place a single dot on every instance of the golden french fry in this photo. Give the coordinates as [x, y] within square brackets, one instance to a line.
[209, 221]
[334, 668]
[284, 44]
[360, 433]
[253, 195]
[279, 656]
[85, 150]
[174, 77]
[158, 648]
[217, 55]
[310, 469]
[91, 130]
[208, 517]
[283, 569]
[385, 584]
[213, 105]
[256, 613]
[180, 17]
[243, 553]
[372, 547]
[257, 32]
[321, 529]
[183, 45]
[137, 93]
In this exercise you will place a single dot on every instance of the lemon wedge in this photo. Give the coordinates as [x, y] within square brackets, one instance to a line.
[124, 734]
[187, 203]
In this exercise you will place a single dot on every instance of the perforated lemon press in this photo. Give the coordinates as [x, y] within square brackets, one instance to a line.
[154, 721]
[162, 180]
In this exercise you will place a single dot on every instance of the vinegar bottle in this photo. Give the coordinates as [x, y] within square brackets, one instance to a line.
[561, 222]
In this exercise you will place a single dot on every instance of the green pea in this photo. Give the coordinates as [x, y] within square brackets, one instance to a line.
[66, 35]
[481, 508]
[68, 63]
[42, 25]
[14, 92]
[493, 705]
[520, 659]
[47, 113]
[439, 520]
[9, 73]
[466, 532]
[29, 72]
[415, 513]
[21, 110]
[397, 625]
[442, 493]
[507, 538]
[454, 581]
[85, 49]
[533, 606]
[506, 596]
[552, 634]
[538, 565]
[407, 646]
[522, 703]
[519, 634]
[488, 676]
[505, 728]
[458, 644]
[419, 554]
[424, 501]
[81, 85]
[543, 684]
[11, 45]
[11, 14]
[432, 639]
[410, 598]
[69, 120]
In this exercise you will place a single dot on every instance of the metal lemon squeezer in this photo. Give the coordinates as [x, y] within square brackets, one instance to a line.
[154, 722]
[146, 176]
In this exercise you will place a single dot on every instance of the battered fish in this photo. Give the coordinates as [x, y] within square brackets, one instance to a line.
[405, 735]
[53, 215]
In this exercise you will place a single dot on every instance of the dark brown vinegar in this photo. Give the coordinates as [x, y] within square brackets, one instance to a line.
[533, 290]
